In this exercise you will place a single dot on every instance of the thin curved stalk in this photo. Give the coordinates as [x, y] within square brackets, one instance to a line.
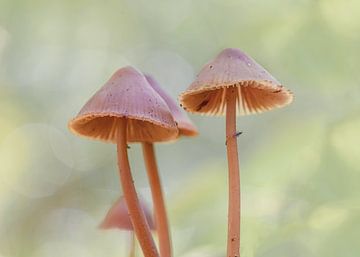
[161, 219]
[141, 227]
[233, 244]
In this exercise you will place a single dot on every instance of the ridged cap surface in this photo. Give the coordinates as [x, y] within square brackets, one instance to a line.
[185, 126]
[257, 89]
[126, 95]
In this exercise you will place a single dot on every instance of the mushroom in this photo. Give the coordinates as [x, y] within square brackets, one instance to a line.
[229, 83]
[118, 218]
[184, 124]
[127, 109]
[186, 128]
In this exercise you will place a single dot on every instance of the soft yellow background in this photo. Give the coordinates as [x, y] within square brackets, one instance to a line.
[300, 165]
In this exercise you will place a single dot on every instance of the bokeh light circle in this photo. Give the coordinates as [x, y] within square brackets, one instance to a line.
[36, 160]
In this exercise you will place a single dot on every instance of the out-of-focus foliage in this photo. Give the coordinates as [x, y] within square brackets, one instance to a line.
[300, 165]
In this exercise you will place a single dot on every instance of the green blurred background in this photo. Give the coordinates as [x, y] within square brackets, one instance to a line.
[299, 165]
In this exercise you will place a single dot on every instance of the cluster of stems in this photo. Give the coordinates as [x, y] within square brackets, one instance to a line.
[141, 227]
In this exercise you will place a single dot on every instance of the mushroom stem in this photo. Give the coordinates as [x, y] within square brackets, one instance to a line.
[141, 227]
[233, 244]
[132, 244]
[161, 219]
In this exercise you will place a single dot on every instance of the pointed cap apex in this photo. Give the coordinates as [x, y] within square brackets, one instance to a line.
[127, 94]
[257, 89]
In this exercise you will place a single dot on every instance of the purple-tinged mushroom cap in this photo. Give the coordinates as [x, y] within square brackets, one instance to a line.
[257, 89]
[118, 216]
[184, 124]
[128, 95]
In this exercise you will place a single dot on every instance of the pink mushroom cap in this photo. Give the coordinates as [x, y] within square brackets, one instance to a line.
[257, 89]
[128, 95]
[185, 126]
[118, 216]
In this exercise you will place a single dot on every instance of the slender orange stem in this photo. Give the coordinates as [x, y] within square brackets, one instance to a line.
[233, 245]
[161, 219]
[141, 227]
[132, 244]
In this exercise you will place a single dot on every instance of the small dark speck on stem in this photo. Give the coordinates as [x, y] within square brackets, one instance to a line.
[238, 133]
[235, 135]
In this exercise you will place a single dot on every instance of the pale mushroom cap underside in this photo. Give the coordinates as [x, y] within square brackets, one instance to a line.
[185, 126]
[126, 95]
[118, 216]
[257, 90]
